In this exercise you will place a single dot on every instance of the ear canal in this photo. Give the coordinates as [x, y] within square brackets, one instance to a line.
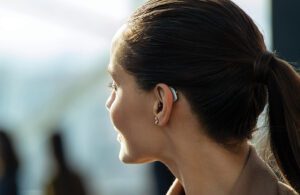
[159, 107]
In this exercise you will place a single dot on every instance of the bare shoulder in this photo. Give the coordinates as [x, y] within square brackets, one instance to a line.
[284, 189]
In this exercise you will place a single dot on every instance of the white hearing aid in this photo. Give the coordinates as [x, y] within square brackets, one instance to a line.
[175, 95]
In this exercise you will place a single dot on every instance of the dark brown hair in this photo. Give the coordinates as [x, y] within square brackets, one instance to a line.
[212, 52]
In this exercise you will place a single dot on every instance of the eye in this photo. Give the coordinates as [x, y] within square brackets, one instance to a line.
[113, 86]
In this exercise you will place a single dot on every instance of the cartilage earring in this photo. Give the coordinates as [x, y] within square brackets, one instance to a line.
[156, 120]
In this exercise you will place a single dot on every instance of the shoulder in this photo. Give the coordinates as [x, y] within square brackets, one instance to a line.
[284, 189]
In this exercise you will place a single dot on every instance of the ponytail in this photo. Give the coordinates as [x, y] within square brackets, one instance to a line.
[284, 119]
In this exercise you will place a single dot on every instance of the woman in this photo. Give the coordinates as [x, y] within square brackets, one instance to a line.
[64, 181]
[190, 78]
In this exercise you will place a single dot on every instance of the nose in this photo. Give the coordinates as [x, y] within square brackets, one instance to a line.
[109, 101]
[108, 104]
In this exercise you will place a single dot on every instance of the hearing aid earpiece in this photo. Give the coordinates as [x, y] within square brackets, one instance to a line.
[175, 95]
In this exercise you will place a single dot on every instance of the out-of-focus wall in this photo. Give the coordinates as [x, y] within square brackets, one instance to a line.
[286, 27]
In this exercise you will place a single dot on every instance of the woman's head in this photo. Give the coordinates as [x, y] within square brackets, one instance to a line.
[206, 50]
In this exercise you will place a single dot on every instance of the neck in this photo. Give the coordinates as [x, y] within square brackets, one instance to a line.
[206, 168]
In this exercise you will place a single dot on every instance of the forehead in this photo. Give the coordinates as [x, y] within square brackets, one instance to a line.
[116, 52]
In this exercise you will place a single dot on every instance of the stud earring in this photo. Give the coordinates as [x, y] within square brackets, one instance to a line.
[156, 120]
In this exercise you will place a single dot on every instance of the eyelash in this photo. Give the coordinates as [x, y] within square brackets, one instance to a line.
[113, 86]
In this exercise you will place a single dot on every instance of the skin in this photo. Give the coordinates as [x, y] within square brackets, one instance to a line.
[200, 165]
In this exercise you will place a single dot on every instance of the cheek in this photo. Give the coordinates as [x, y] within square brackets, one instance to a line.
[118, 113]
[129, 115]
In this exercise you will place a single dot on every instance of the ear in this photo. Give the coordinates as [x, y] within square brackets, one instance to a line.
[163, 103]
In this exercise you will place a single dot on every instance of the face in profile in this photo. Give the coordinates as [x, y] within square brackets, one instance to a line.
[131, 111]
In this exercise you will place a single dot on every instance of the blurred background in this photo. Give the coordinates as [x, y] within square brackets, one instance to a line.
[53, 58]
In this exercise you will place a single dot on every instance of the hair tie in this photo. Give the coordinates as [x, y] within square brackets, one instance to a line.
[262, 67]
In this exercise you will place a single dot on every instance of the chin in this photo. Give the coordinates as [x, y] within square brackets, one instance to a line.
[127, 158]
[131, 159]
